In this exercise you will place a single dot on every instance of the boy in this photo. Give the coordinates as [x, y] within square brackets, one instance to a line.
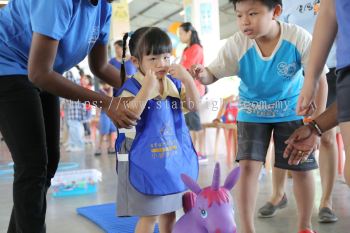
[269, 57]
[304, 14]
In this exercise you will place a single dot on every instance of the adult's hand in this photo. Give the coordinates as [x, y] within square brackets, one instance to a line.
[306, 101]
[301, 144]
[121, 115]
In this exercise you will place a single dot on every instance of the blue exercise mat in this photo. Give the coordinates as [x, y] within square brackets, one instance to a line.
[105, 217]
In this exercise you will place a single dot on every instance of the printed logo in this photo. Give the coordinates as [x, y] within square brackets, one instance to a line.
[93, 37]
[315, 7]
[287, 70]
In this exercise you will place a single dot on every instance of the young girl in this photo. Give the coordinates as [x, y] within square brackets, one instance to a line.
[149, 183]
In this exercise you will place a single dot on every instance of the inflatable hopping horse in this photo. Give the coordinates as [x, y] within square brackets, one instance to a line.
[212, 211]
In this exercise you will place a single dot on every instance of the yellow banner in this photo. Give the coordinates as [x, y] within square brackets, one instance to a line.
[120, 19]
[121, 11]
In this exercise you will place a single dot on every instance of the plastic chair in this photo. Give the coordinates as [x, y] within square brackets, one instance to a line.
[230, 137]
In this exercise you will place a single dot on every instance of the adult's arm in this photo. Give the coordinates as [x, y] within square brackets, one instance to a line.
[100, 66]
[40, 71]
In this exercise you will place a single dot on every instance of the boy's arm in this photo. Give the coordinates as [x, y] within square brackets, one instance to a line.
[224, 65]
[203, 74]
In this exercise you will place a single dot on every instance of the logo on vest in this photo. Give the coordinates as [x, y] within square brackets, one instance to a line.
[164, 148]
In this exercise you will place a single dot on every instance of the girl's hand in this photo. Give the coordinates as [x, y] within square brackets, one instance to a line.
[179, 72]
[151, 83]
[306, 103]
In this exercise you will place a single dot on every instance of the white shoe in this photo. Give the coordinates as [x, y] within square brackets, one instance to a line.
[74, 149]
[202, 159]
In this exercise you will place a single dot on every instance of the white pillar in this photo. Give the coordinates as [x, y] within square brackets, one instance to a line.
[204, 15]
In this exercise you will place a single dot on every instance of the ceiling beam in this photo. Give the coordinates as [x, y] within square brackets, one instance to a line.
[166, 17]
[144, 10]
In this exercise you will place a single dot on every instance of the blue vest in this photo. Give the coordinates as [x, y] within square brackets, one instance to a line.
[162, 149]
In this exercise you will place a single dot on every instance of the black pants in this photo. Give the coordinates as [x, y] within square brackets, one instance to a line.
[29, 123]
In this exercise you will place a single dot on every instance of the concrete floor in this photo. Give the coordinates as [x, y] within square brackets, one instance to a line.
[62, 217]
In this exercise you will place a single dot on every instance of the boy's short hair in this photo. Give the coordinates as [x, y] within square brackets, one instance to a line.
[119, 43]
[269, 3]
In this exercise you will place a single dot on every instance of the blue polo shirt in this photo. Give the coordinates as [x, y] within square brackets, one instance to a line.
[76, 24]
[269, 86]
[343, 18]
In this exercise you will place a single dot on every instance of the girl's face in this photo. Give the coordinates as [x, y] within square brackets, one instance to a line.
[185, 37]
[255, 19]
[160, 64]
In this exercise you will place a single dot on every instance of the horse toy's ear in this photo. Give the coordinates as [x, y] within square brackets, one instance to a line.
[191, 184]
[232, 179]
[216, 178]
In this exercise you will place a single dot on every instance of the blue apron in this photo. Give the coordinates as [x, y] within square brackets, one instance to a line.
[162, 149]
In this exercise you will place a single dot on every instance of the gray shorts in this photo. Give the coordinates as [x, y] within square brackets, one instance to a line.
[193, 121]
[343, 94]
[130, 202]
[254, 140]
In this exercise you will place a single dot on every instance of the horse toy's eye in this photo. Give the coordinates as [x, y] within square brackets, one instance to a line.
[204, 214]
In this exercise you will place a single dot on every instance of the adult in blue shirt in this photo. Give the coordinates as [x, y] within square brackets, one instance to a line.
[333, 23]
[116, 61]
[39, 40]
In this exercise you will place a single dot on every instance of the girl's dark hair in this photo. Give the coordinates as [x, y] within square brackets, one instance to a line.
[194, 35]
[145, 41]
[269, 3]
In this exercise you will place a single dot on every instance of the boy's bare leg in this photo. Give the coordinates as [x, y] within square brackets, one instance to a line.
[278, 184]
[304, 192]
[247, 191]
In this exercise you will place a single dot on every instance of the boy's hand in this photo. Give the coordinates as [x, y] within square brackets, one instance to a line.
[198, 72]
[179, 72]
